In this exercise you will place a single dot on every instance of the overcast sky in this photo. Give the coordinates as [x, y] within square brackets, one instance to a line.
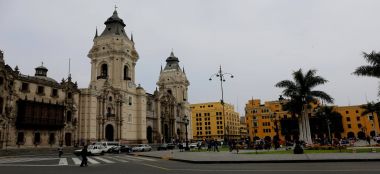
[259, 42]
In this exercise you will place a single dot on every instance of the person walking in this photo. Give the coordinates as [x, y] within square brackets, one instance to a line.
[216, 145]
[60, 151]
[83, 153]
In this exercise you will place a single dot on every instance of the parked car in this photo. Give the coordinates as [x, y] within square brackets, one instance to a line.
[108, 145]
[141, 148]
[92, 150]
[166, 146]
[193, 145]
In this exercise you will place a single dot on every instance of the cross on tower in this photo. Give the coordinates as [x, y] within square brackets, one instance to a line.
[115, 7]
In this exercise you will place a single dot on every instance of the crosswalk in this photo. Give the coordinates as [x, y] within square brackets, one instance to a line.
[73, 160]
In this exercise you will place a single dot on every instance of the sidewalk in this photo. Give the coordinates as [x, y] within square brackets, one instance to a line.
[232, 157]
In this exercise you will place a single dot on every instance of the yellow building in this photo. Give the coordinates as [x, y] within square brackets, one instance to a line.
[356, 125]
[264, 119]
[209, 122]
[243, 128]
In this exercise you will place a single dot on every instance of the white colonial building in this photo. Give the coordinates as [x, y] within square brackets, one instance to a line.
[112, 108]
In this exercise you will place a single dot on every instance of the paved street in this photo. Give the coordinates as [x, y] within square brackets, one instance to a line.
[122, 163]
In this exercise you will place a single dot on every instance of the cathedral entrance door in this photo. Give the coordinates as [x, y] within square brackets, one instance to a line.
[166, 133]
[68, 139]
[109, 132]
[149, 133]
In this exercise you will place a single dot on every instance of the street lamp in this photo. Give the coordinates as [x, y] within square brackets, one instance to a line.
[186, 121]
[276, 139]
[221, 75]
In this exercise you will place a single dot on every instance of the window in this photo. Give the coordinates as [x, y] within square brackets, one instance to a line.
[37, 138]
[169, 91]
[54, 93]
[69, 95]
[25, 87]
[126, 73]
[40, 90]
[349, 125]
[348, 118]
[347, 112]
[51, 138]
[130, 118]
[110, 98]
[358, 118]
[109, 112]
[130, 101]
[103, 72]
[20, 138]
[1, 81]
[359, 125]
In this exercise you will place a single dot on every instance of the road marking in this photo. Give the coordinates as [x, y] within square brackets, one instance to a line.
[76, 161]
[119, 159]
[92, 161]
[104, 160]
[146, 159]
[63, 162]
[17, 160]
[159, 167]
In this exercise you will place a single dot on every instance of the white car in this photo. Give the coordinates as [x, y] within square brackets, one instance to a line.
[141, 148]
[108, 145]
[193, 145]
[92, 150]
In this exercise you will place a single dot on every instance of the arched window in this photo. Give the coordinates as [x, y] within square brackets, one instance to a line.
[169, 91]
[126, 73]
[104, 71]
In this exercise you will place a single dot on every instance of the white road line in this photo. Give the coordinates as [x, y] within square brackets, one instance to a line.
[119, 159]
[76, 161]
[63, 162]
[16, 160]
[92, 161]
[104, 160]
[146, 159]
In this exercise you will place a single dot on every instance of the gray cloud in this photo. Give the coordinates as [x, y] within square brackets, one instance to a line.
[260, 42]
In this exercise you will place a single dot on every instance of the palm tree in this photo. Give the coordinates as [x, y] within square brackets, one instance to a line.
[373, 69]
[371, 108]
[330, 120]
[301, 96]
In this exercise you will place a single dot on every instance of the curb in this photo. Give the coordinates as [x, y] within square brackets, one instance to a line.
[264, 161]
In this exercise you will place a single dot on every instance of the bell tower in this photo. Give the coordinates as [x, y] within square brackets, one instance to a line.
[173, 79]
[113, 56]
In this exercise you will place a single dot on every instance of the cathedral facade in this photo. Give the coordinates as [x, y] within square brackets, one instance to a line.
[38, 111]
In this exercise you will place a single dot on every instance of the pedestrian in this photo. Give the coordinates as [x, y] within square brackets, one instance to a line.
[216, 145]
[199, 144]
[60, 151]
[180, 146]
[369, 140]
[83, 153]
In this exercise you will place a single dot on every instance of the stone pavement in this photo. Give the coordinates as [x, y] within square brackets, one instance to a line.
[232, 157]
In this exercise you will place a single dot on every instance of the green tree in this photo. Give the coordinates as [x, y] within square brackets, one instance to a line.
[371, 70]
[329, 121]
[301, 94]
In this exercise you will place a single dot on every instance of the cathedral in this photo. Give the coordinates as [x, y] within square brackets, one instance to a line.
[39, 111]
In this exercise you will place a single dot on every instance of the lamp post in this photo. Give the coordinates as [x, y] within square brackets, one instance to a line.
[221, 75]
[186, 121]
[276, 138]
